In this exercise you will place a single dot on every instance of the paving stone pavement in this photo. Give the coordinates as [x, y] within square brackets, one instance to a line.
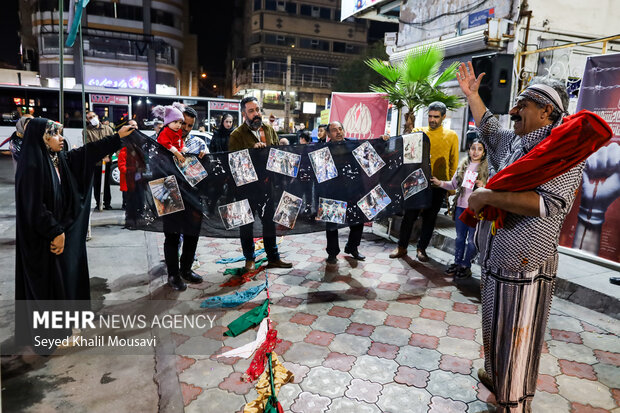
[385, 336]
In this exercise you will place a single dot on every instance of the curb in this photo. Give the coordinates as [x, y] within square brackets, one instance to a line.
[565, 289]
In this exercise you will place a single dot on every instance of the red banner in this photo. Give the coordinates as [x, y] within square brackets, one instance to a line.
[363, 115]
[593, 222]
[230, 106]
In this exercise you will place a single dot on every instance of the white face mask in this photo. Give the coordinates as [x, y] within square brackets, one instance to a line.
[94, 121]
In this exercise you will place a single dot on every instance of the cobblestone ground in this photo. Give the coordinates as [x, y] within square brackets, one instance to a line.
[381, 336]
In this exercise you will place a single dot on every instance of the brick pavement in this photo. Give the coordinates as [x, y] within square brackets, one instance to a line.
[382, 336]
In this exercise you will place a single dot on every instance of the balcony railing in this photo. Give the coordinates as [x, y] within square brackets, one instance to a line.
[299, 80]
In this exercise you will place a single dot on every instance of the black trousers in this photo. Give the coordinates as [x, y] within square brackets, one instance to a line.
[331, 233]
[171, 252]
[246, 233]
[107, 196]
[429, 217]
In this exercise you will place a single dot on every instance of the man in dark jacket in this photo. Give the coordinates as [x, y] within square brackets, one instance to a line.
[253, 133]
[96, 131]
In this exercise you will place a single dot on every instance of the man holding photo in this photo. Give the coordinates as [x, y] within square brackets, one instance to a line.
[253, 133]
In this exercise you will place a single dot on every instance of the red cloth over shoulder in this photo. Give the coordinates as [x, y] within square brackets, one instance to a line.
[122, 168]
[578, 137]
[169, 138]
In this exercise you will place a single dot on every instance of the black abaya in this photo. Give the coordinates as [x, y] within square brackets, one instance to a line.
[49, 204]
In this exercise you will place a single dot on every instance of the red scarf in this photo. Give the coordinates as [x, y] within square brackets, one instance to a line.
[578, 137]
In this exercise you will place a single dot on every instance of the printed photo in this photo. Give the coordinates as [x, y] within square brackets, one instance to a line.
[414, 183]
[236, 214]
[282, 162]
[412, 148]
[368, 158]
[374, 202]
[331, 210]
[241, 167]
[288, 209]
[192, 169]
[323, 165]
[166, 195]
[469, 180]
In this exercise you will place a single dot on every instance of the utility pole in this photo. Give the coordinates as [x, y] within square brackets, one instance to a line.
[287, 95]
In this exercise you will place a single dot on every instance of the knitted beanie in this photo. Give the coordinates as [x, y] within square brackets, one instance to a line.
[167, 113]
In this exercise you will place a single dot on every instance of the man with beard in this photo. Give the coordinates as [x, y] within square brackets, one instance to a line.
[519, 260]
[444, 161]
[253, 133]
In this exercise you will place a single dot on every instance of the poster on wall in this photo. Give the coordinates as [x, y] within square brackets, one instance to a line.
[363, 115]
[593, 222]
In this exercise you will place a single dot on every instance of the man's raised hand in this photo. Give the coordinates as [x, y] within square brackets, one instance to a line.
[467, 79]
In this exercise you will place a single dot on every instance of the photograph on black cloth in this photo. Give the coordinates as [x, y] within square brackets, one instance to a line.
[236, 214]
[282, 162]
[374, 202]
[412, 148]
[323, 165]
[414, 183]
[288, 209]
[166, 195]
[368, 158]
[241, 167]
[192, 169]
[331, 210]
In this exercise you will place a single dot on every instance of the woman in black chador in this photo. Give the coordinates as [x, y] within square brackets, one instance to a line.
[52, 193]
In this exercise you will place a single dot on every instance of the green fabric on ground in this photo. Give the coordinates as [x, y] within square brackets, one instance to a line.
[241, 270]
[248, 320]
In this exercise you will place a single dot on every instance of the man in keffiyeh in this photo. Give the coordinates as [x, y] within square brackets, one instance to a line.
[519, 256]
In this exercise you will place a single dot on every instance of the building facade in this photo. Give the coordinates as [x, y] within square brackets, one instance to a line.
[134, 46]
[311, 33]
[531, 37]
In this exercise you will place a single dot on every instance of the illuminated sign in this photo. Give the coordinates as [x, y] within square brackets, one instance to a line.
[116, 77]
[110, 99]
[224, 106]
[349, 7]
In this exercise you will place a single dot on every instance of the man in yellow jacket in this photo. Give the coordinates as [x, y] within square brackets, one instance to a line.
[444, 161]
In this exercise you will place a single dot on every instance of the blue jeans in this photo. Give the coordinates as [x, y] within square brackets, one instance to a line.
[463, 256]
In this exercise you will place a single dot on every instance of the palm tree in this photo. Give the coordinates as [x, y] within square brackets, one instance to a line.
[415, 82]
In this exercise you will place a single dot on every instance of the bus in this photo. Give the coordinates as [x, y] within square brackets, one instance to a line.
[110, 105]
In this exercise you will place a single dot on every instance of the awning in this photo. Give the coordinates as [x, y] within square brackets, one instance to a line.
[454, 46]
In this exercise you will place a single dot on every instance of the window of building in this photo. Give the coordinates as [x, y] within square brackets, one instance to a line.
[316, 11]
[353, 49]
[314, 44]
[257, 5]
[339, 47]
[326, 13]
[165, 18]
[305, 10]
[281, 6]
[291, 8]
[337, 15]
[270, 5]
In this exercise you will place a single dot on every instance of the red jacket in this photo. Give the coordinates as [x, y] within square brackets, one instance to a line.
[169, 138]
[122, 167]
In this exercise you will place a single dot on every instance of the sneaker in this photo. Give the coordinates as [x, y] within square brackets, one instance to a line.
[421, 254]
[451, 269]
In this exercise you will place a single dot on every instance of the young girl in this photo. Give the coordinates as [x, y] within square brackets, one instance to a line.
[472, 173]
[171, 135]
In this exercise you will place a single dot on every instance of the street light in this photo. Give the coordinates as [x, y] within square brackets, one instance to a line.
[203, 75]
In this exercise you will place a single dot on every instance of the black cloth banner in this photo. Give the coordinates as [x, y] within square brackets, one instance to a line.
[205, 207]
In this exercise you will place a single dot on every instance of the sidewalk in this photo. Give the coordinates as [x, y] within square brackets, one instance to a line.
[579, 281]
[375, 336]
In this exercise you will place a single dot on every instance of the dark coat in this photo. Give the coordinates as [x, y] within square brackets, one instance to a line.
[219, 141]
[47, 206]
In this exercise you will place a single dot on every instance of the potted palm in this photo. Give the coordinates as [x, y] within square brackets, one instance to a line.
[415, 82]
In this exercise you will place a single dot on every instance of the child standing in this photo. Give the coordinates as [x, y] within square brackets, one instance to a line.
[472, 173]
[171, 135]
